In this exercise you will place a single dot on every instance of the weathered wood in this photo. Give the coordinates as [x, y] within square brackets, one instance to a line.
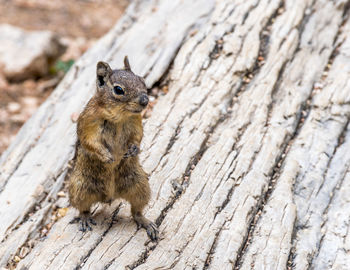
[247, 152]
[37, 160]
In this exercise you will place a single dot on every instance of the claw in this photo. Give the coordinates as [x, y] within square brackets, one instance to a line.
[74, 220]
[82, 226]
[92, 221]
[152, 231]
[132, 151]
[138, 225]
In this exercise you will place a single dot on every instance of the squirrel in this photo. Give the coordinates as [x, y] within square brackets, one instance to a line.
[109, 132]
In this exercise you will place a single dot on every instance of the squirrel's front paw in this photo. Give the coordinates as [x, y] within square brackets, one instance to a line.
[108, 158]
[133, 151]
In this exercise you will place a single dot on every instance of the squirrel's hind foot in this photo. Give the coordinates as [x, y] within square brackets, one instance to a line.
[85, 222]
[151, 228]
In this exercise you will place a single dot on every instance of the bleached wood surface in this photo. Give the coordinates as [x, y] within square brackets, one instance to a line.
[248, 151]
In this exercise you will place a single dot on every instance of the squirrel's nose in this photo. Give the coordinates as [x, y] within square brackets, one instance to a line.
[143, 100]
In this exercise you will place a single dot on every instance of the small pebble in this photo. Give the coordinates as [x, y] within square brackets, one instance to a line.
[62, 212]
[165, 89]
[192, 33]
[318, 85]
[74, 117]
[14, 107]
[61, 194]
[23, 252]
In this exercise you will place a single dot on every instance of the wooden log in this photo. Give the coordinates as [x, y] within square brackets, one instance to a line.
[247, 151]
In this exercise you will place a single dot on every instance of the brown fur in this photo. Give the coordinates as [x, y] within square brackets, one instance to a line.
[109, 135]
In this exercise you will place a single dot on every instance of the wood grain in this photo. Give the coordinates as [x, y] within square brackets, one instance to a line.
[247, 151]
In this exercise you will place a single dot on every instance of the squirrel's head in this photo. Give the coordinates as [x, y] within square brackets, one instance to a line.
[121, 88]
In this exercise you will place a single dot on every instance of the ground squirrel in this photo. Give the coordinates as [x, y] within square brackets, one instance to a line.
[109, 134]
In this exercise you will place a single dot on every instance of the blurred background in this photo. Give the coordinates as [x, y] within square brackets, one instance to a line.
[39, 41]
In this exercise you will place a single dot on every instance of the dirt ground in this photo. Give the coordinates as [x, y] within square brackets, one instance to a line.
[79, 23]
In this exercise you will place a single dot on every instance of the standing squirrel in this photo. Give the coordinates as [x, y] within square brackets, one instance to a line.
[109, 134]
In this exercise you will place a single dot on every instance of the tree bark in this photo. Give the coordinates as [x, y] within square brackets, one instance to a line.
[247, 152]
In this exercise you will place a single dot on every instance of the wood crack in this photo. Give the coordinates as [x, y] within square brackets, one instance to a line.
[212, 247]
[340, 142]
[337, 43]
[29, 148]
[180, 191]
[99, 240]
[42, 203]
[177, 131]
[275, 171]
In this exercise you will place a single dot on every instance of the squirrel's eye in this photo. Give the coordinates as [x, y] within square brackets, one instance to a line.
[118, 90]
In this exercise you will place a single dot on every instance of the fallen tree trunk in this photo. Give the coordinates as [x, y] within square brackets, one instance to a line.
[246, 152]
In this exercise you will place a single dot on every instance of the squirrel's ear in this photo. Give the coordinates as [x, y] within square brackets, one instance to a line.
[102, 70]
[126, 63]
